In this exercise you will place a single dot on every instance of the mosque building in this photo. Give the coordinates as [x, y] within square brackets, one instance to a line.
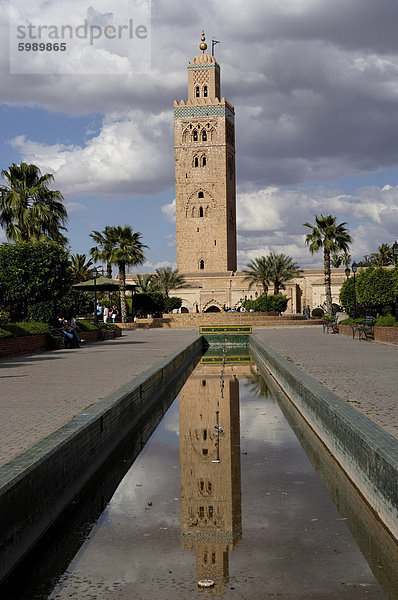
[205, 184]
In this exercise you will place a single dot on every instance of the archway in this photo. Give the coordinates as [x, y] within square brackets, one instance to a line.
[213, 308]
[184, 309]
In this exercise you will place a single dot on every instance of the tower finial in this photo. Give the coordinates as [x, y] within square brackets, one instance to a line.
[203, 45]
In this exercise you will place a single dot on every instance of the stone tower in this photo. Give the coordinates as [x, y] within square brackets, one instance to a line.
[205, 172]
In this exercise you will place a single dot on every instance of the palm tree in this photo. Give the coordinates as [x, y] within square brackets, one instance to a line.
[29, 211]
[282, 268]
[384, 256]
[332, 238]
[336, 260]
[145, 282]
[105, 243]
[127, 250]
[258, 271]
[80, 267]
[167, 279]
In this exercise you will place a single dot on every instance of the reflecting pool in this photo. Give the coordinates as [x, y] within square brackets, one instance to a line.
[224, 493]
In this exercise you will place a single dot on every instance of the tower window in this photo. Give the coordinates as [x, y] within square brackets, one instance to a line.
[215, 242]
[205, 434]
[201, 195]
[203, 382]
[195, 135]
[200, 211]
[213, 558]
[202, 514]
[205, 451]
[210, 511]
[205, 91]
[203, 161]
[202, 265]
[197, 91]
[204, 135]
[196, 161]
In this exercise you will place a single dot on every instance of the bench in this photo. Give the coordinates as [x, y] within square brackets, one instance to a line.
[60, 340]
[330, 323]
[365, 328]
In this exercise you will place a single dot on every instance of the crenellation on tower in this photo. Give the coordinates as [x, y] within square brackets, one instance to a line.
[205, 172]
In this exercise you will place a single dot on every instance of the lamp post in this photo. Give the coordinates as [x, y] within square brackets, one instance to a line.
[347, 272]
[95, 274]
[354, 268]
[395, 253]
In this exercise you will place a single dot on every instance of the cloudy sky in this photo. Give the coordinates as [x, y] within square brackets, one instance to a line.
[315, 89]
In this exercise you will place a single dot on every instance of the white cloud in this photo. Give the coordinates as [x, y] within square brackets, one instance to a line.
[130, 155]
[169, 211]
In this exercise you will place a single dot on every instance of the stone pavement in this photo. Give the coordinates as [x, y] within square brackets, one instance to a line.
[363, 373]
[41, 392]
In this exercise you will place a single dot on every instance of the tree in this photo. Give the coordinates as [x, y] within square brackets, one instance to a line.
[281, 268]
[35, 279]
[145, 282]
[258, 272]
[172, 303]
[127, 250]
[105, 243]
[167, 279]
[383, 257]
[332, 238]
[29, 211]
[80, 267]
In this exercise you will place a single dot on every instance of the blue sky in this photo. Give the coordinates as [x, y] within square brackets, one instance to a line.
[315, 89]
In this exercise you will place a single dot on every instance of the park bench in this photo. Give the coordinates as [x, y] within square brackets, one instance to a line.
[60, 340]
[330, 323]
[365, 328]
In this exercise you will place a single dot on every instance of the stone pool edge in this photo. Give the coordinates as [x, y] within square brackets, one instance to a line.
[367, 454]
[38, 484]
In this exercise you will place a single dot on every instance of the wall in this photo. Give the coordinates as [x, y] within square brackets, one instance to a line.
[381, 334]
[221, 318]
[366, 453]
[37, 485]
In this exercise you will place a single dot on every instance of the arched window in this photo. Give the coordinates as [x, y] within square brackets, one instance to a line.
[205, 91]
[200, 211]
[195, 135]
[205, 434]
[201, 195]
[201, 515]
[210, 511]
[196, 161]
[202, 265]
[203, 161]
[213, 558]
[204, 135]
[204, 382]
[197, 91]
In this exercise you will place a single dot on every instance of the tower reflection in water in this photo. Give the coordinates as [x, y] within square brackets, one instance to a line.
[210, 479]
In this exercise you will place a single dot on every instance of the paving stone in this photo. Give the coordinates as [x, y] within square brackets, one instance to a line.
[363, 373]
[42, 392]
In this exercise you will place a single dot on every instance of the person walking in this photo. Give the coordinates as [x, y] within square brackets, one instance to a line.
[307, 312]
[115, 313]
[105, 312]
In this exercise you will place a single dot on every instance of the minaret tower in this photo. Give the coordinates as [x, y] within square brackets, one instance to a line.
[205, 172]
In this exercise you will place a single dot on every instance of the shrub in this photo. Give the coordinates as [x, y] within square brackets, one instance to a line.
[5, 334]
[317, 312]
[4, 317]
[26, 328]
[351, 321]
[172, 303]
[85, 326]
[386, 321]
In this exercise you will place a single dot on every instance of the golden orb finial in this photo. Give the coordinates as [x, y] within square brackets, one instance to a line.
[203, 45]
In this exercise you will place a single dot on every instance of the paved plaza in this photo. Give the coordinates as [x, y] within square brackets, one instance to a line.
[44, 391]
[363, 373]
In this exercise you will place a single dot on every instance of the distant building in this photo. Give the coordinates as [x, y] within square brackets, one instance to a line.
[204, 134]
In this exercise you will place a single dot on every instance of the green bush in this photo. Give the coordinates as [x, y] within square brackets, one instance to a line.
[272, 303]
[386, 321]
[351, 321]
[5, 334]
[85, 326]
[317, 312]
[172, 303]
[4, 317]
[26, 328]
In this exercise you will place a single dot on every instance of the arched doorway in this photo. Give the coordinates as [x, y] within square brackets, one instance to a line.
[184, 309]
[213, 309]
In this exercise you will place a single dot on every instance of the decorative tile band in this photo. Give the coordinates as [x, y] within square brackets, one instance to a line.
[201, 67]
[186, 112]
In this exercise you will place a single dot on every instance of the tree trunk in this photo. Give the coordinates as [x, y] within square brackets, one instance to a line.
[109, 270]
[122, 287]
[328, 285]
